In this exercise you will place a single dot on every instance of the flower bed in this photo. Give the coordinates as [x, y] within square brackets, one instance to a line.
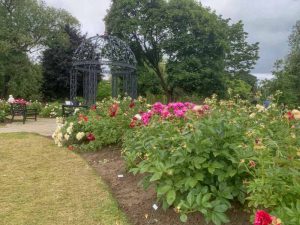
[202, 158]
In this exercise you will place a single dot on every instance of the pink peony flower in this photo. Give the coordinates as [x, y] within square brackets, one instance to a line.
[262, 218]
[146, 118]
[165, 113]
[158, 107]
[179, 113]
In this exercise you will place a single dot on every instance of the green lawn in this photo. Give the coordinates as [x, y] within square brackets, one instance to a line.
[43, 184]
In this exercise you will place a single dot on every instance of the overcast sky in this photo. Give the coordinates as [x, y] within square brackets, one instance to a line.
[268, 22]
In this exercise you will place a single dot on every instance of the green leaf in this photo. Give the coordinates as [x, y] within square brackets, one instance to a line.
[163, 189]
[183, 218]
[191, 182]
[171, 196]
[205, 198]
[190, 198]
[156, 176]
[221, 208]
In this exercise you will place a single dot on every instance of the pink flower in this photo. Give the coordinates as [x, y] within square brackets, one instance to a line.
[179, 113]
[146, 118]
[20, 101]
[158, 107]
[205, 107]
[165, 113]
[262, 218]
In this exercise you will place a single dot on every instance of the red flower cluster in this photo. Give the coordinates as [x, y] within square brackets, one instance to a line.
[262, 218]
[71, 147]
[131, 105]
[113, 110]
[90, 137]
[83, 118]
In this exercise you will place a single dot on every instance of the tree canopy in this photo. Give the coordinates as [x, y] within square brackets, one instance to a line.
[198, 48]
[26, 26]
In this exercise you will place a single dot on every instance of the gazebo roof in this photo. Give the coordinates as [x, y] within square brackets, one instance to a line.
[103, 50]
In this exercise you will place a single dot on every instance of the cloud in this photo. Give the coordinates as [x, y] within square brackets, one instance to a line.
[90, 13]
[268, 22]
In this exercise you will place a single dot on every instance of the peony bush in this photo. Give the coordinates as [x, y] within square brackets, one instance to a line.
[201, 158]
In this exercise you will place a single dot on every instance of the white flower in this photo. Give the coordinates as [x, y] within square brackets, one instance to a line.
[60, 136]
[76, 110]
[67, 137]
[70, 129]
[80, 135]
[138, 116]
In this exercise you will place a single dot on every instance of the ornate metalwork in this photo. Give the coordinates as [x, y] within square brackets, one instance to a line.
[102, 55]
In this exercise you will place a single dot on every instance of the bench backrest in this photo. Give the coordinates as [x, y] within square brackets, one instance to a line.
[18, 109]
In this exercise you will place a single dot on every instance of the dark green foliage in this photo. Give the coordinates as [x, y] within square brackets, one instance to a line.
[104, 90]
[26, 27]
[57, 64]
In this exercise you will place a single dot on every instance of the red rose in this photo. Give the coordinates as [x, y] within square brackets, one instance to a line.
[90, 137]
[262, 218]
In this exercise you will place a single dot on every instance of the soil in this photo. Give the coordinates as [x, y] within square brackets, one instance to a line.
[135, 201]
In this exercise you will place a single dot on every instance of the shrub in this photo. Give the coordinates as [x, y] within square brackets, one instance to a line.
[236, 152]
[107, 122]
[51, 110]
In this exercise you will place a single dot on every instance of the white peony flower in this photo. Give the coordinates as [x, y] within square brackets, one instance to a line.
[67, 137]
[138, 116]
[70, 129]
[80, 135]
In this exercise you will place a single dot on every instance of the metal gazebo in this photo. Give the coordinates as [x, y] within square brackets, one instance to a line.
[99, 55]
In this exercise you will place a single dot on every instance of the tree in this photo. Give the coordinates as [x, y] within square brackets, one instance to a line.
[25, 27]
[191, 40]
[241, 56]
[287, 72]
[57, 64]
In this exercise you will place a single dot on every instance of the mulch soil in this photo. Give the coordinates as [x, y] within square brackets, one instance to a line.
[136, 202]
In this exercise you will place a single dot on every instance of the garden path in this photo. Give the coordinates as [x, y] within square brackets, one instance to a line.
[43, 126]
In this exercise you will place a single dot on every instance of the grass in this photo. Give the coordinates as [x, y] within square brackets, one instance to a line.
[43, 184]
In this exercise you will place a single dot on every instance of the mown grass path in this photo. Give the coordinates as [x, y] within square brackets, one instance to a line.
[43, 184]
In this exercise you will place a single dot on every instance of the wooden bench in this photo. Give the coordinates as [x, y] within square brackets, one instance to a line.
[22, 110]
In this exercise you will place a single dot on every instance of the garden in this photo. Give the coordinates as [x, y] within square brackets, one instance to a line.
[181, 150]
[165, 121]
